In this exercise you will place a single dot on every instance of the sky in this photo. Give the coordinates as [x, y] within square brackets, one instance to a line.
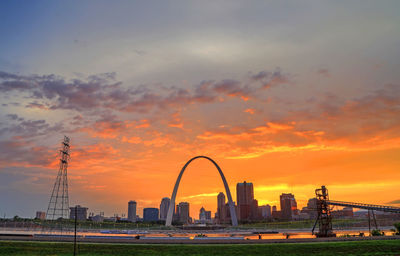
[288, 95]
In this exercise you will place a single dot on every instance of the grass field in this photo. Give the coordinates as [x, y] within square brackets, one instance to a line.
[388, 247]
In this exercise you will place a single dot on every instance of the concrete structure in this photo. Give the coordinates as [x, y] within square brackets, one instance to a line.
[228, 192]
[40, 215]
[150, 214]
[183, 212]
[164, 206]
[245, 200]
[132, 211]
[81, 212]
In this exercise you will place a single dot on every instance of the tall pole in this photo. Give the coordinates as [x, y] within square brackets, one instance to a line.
[76, 220]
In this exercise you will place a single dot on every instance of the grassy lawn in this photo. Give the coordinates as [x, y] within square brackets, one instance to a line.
[327, 248]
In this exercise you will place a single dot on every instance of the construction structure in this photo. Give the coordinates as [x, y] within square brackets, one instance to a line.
[59, 201]
[324, 218]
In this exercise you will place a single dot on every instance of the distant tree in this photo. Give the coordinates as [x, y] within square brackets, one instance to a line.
[377, 232]
[397, 226]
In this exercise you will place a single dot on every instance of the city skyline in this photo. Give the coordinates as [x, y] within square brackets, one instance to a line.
[288, 95]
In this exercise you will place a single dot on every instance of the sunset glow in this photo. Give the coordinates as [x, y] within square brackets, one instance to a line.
[287, 109]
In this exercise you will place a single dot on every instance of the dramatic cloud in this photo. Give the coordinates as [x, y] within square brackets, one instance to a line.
[102, 91]
[28, 128]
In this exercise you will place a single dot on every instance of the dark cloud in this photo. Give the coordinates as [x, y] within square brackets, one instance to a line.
[103, 91]
[29, 128]
[268, 79]
[394, 202]
[233, 88]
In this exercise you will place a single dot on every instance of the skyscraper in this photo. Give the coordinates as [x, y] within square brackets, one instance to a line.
[132, 211]
[164, 206]
[245, 199]
[288, 206]
[220, 207]
[183, 212]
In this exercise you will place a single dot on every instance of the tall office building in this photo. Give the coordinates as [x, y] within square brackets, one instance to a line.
[288, 206]
[150, 214]
[220, 207]
[245, 200]
[132, 211]
[164, 206]
[183, 212]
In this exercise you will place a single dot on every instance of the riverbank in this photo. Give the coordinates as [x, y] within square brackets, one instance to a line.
[186, 240]
[365, 247]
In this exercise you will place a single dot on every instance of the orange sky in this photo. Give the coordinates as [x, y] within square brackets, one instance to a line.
[349, 145]
[285, 95]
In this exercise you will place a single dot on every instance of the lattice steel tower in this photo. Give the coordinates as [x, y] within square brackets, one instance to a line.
[59, 202]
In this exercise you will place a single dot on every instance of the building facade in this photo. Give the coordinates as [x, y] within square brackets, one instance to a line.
[150, 214]
[266, 212]
[164, 206]
[81, 212]
[220, 208]
[40, 215]
[245, 200]
[288, 206]
[132, 211]
[183, 212]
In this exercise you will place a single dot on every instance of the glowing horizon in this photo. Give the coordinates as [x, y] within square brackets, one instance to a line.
[288, 96]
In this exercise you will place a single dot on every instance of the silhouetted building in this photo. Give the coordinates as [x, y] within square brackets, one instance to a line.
[220, 207]
[183, 212]
[255, 212]
[245, 200]
[164, 206]
[204, 216]
[311, 208]
[132, 211]
[150, 214]
[40, 215]
[97, 218]
[81, 212]
[266, 211]
[346, 212]
[288, 206]
[227, 212]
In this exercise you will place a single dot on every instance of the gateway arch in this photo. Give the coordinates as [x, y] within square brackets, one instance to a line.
[228, 193]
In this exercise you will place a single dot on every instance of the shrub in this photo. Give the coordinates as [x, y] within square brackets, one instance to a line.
[397, 226]
[377, 232]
